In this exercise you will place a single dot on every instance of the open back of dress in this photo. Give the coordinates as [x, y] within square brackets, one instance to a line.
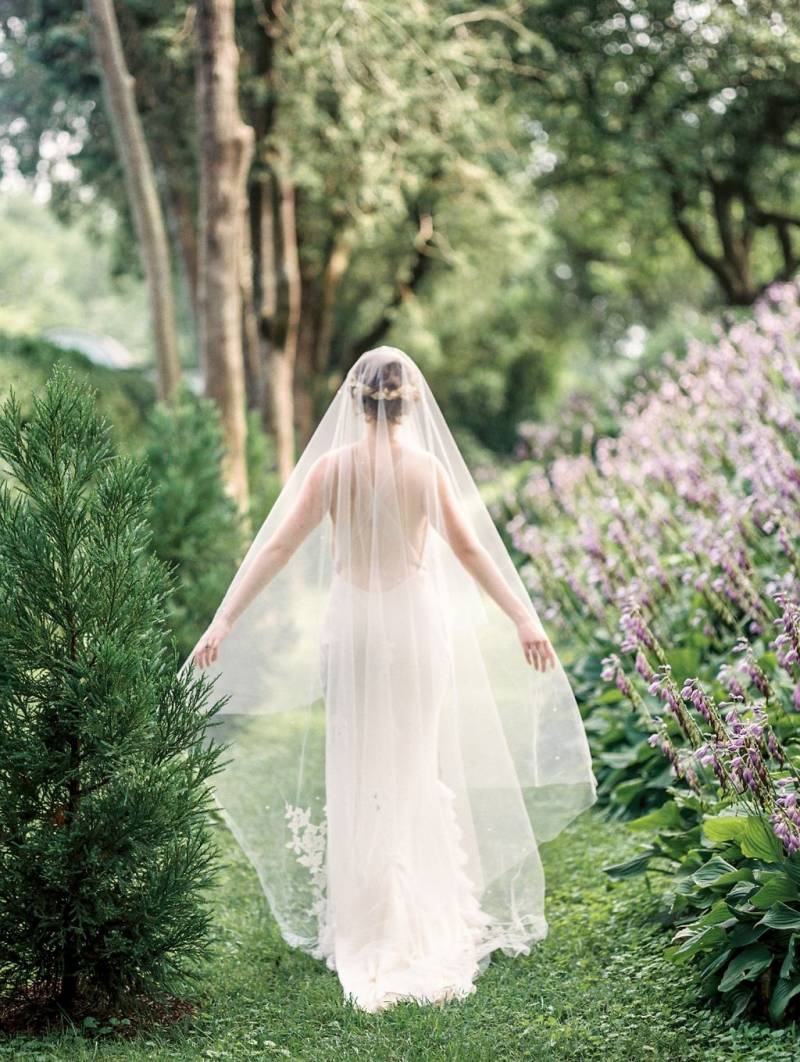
[394, 762]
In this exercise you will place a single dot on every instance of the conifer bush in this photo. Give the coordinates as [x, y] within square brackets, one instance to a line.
[195, 526]
[105, 762]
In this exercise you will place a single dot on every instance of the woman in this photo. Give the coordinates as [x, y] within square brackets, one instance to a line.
[376, 717]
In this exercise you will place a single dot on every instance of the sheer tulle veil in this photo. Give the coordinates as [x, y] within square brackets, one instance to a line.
[374, 661]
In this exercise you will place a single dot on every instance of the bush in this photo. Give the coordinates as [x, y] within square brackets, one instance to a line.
[669, 557]
[196, 529]
[104, 764]
[125, 396]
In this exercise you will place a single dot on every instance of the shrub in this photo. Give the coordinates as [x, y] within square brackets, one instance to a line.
[105, 850]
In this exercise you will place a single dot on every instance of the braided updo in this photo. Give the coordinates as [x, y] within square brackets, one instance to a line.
[381, 383]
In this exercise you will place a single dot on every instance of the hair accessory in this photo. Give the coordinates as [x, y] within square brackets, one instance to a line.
[383, 394]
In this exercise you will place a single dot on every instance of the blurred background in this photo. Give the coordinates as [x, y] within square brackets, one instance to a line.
[535, 200]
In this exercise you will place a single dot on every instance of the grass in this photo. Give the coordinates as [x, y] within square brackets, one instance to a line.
[596, 988]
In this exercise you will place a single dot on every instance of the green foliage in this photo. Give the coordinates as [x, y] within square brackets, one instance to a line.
[123, 395]
[598, 987]
[649, 117]
[104, 759]
[195, 526]
[732, 897]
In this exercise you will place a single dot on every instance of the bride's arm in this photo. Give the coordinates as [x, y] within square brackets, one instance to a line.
[302, 518]
[478, 562]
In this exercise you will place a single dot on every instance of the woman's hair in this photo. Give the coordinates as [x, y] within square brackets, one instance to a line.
[381, 383]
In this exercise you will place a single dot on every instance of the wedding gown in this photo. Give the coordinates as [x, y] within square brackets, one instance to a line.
[394, 762]
[403, 918]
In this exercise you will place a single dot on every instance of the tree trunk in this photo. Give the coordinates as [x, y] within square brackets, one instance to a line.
[226, 150]
[254, 369]
[316, 332]
[283, 353]
[305, 369]
[140, 184]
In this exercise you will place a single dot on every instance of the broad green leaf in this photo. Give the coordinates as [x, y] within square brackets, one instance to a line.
[721, 828]
[631, 867]
[751, 833]
[718, 871]
[684, 662]
[667, 817]
[759, 842]
[782, 995]
[741, 891]
[741, 998]
[686, 944]
[716, 963]
[611, 696]
[745, 966]
[779, 916]
[788, 964]
[745, 933]
[717, 913]
[775, 887]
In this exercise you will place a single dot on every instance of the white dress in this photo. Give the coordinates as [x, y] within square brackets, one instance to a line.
[402, 916]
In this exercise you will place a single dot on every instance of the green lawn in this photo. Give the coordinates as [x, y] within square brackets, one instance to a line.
[596, 988]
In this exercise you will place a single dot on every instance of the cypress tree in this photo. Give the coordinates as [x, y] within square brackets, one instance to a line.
[105, 762]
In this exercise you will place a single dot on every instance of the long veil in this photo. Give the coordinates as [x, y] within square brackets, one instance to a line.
[374, 662]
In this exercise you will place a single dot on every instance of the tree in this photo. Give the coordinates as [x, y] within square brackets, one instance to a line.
[104, 758]
[369, 120]
[366, 119]
[688, 110]
[225, 153]
[140, 182]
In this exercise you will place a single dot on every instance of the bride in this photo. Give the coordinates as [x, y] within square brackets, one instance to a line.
[401, 734]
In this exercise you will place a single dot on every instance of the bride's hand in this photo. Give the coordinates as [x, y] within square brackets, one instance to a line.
[208, 646]
[536, 645]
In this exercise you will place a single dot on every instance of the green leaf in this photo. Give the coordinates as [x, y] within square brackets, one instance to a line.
[631, 867]
[741, 998]
[759, 842]
[788, 964]
[716, 963]
[718, 871]
[792, 868]
[751, 833]
[782, 995]
[612, 696]
[780, 916]
[725, 827]
[741, 891]
[775, 887]
[684, 662]
[667, 817]
[687, 942]
[745, 966]
[716, 914]
[745, 933]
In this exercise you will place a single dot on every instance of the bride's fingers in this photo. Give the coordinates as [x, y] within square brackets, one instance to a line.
[545, 654]
[532, 655]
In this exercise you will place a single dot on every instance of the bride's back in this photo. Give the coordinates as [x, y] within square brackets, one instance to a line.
[380, 504]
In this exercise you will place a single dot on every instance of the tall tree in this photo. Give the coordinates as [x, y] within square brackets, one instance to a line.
[225, 153]
[688, 110]
[140, 182]
[365, 118]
